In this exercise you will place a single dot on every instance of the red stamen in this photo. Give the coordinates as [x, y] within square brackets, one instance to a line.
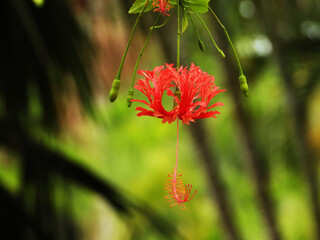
[177, 192]
[162, 6]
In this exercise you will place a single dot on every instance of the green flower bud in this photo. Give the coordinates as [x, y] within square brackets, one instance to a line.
[243, 85]
[130, 97]
[114, 90]
[221, 53]
[201, 45]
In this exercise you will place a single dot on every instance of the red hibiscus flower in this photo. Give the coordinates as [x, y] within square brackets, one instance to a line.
[154, 85]
[162, 6]
[196, 89]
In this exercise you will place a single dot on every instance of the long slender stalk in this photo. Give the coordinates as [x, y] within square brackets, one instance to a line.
[229, 40]
[177, 90]
[176, 166]
[129, 41]
[165, 22]
[242, 78]
[131, 91]
[207, 29]
[178, 34]
[113, 95]
[200, 43]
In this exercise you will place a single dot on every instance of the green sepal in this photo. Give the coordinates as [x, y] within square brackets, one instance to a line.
[130, 97]
[199, 6]
[243, 85]
[201, 45]
[138, 6]
[114, 90]
[221, 53]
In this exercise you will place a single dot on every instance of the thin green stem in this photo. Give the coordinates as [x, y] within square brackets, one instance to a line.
[178, 34]
[129, 41]
[143, 48]
[130, 93]
[194, 27]
[201, 45]
[242, 78]
[161, 25]
[229, 39]
[177, 91]
[114, 91]
[164, 23]
[205, 26]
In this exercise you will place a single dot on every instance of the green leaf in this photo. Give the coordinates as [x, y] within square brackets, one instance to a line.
[199, 6]
[184, 23]
[138, 6]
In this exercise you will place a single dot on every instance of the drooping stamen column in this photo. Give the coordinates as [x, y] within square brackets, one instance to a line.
[176, 166]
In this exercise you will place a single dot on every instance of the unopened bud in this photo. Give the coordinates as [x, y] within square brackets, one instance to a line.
[114, 90]
[243, 85]
[201, 45]
[130, 97]
[221, 53]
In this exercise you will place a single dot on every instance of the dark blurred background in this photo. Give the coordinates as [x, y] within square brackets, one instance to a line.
[75, 166]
